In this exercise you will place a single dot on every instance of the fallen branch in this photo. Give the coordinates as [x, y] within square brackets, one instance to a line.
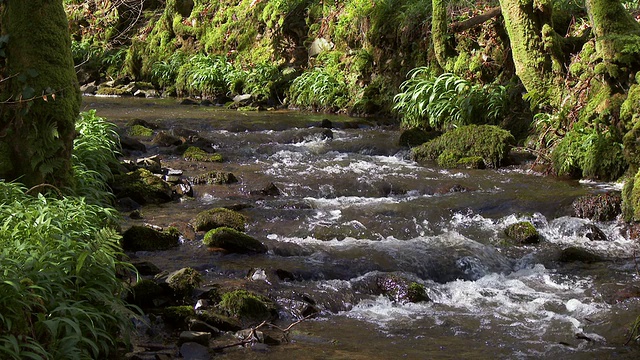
[475, 21]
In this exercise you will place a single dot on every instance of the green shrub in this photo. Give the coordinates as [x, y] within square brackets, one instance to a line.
[448, 100]
[59, 294]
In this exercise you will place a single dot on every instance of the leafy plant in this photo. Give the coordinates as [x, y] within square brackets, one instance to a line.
[204, 75]
[165, 72]
[318, 89]
[447, 101]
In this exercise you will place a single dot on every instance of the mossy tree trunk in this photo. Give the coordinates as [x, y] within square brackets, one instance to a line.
[40, 95]
[442, 47]
[611, 22]
[528, 23]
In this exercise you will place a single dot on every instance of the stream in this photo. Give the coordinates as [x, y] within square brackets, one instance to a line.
[355, 206]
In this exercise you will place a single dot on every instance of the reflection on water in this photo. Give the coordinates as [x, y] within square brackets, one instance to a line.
[354, 207]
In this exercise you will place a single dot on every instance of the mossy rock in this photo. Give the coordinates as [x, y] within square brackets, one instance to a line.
[219, 217]
[523, 232]
[451, 160]
[178, 316]
[488, 142]
[600, 207]
[144, 292]
[576, 254]
[139, 130]
[184, 281]
[142, 238]
[416, 136]
[165, 139]
[196, 154]
[219, 321]
[243, 304]
[233, 241]
[401, 290]
[113, 91]
[214, 178]
[142, 186]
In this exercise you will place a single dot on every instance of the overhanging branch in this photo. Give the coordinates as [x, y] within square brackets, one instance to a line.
[475, 21]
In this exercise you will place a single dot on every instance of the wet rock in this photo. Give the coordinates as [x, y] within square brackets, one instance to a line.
[401, 290]
[214, 178]
[196, 154]
[201, 326]
[194, 351]
[242, 100]
[600, 207]
[183, 189]
[414, 137]
[302, 135]
[258, 275]
[574, 254]
[198, 337]
[219, 217]
[89, 88]
[188, 101]
[326, 123]
[245, 304]
[143, 238]
[269, 190]
[523, 232]
[285, 275]
[141, 122]
[151, 163]
[135, 214]
[184, 281]
[132, 144]
[139, 131]
[146, 268]
[142, 186]
[144, 293]
[455, 188]
[178, 316]
[127, 204]
[592, 232]
[222, 322]
[233, 241]
[163, 138]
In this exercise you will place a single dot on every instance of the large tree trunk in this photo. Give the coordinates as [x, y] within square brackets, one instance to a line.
[40, 94]
[528, 24]
[441, 40]
[610, 20]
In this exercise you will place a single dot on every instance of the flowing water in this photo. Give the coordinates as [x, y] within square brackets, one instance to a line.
[355, 207]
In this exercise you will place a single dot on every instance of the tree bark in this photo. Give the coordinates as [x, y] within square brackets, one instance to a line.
[442, 46]
[40, 94]
[475, 21]
[610, 22]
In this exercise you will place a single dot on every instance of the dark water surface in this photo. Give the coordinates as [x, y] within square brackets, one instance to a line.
[355, 207]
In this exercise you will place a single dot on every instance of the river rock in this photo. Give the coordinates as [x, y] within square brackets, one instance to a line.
[188, 101]
[600, 207]
[131, 144]
[233, 241]
[523, 232]
[146, 294]
[142, 186]
[269, 190]
[151, 163]
[178, 317]
[183, 189]
[184, 281]
[194, 351]
[219, 217]
[592, 232]
[574, 254]
[89, 89]
[245, 304]
[163, 138]
[214, 178]
[196, 154]
[201, 326]
[401, 290]
[222, 322]
[242, 100]
[143, 238]
[146, 268]
[199, 337]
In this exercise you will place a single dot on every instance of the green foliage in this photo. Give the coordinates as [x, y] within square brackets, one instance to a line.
[589, 152]
[59, 293]
[319, 90]
[165, 72]
[448, 100]
[489, 142]
[203, 75]
[94, 154]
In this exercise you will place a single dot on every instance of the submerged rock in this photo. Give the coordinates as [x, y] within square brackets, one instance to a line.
[523, 232]
[573, 254]
[233, 241]
[219, 217]
[600, 207]
[269, 190]
[401, 290]
[143, 238]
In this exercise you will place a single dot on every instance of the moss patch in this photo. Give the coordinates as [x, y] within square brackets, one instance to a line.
[247, 305]
[178, 316]
[184, 281]
[142, 238]
[488, 142]
[523, 232]
[233, 241]
[196, 154]
[219, 217]
[214, 178]
[139, 130]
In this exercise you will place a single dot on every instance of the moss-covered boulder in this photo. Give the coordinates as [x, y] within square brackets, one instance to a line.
[145, 293]
[219, 217]
[523, 232]
[416, 136]
[488, 142]
[178, 316]
[196, 154]
[401, 290]
[233, 241]
[214, 178]
[184, 281]
[142, 238]
[139, 130]
[163, 138]
[142, 186]
[600, 207]
[244, 304]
